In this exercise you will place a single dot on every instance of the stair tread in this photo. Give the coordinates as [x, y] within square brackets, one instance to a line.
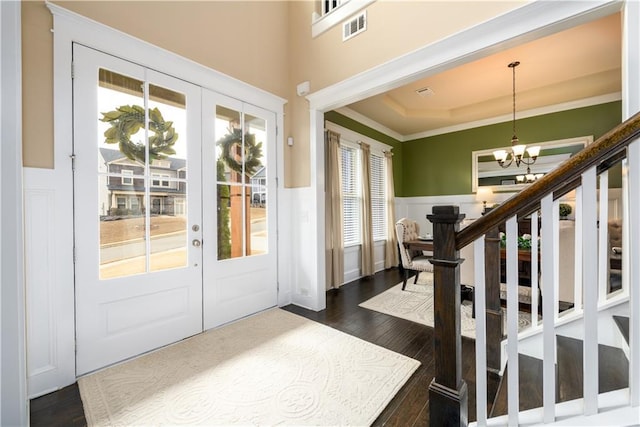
[623, 325]
[613, 374]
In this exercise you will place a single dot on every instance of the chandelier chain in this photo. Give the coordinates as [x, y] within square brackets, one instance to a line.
[514, 100]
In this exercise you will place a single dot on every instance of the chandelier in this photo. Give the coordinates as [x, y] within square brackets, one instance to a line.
[528, 177]
[519, 152]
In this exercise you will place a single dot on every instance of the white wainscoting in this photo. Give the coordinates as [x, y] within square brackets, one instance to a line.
[48, 246]
[417, 208]
[353, 260]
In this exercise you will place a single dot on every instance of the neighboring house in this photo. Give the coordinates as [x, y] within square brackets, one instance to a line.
[124, 195]
[259, 187]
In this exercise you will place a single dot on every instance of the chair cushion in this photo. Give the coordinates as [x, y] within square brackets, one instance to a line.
[420, 263]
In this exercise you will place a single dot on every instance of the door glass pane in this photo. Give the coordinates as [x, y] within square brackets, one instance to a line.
[255, 164]
[167, 184]
[168, 225]
[229, 140]
[121, 131]
[125, 204]
[120, 175]
[231, 220]
[242, 184]
[122, 229]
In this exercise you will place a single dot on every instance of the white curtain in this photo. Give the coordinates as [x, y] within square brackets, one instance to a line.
[333, 213]
[368, 266]
[390, 250]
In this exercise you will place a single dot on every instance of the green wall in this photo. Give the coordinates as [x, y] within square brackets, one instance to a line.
[355, 126]
[441, 164]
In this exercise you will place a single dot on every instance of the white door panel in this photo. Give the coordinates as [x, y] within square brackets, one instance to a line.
[138, 276]
[239, 187]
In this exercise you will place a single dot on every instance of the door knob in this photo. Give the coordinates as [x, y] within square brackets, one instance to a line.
[196, 243]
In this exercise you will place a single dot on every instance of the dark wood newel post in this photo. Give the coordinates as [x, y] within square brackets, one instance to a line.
[447, 391]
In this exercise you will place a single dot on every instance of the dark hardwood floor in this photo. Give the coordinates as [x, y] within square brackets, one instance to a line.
[409, 407]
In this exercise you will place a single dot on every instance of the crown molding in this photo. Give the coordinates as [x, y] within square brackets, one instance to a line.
[362, 119]
[571, 105]
[565, 106]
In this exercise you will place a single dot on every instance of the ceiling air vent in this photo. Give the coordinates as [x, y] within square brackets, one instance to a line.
[425, 91]
[354, 26]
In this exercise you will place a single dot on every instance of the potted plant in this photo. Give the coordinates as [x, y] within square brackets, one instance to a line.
[565, 210]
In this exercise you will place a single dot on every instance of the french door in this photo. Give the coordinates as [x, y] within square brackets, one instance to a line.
[137, 144]
[240, 272]
[174, 209]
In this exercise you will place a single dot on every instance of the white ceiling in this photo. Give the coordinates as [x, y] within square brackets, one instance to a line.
[575, 65]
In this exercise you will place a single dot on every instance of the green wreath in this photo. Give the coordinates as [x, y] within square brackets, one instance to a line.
[252, 151]
[126, 120]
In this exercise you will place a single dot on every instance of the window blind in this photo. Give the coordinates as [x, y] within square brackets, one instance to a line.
[350, 196]
[378, 211]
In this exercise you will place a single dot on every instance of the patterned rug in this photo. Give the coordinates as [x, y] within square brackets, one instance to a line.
[415, 303]
[271, 368]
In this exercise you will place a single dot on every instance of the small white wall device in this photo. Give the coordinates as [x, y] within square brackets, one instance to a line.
[303, 88]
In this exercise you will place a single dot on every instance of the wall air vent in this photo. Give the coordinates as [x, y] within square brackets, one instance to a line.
[354, 26]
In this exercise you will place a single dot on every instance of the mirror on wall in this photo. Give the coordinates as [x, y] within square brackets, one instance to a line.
[488, 173]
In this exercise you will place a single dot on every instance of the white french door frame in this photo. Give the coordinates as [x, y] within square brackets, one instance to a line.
[55, 367]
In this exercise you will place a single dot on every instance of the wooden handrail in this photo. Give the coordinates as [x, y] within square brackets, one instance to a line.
[559, 181]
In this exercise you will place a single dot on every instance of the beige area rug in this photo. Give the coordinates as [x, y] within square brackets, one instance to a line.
[272, 368]
[415, 303]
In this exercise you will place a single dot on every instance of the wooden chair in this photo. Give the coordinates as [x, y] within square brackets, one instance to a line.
[408, 229]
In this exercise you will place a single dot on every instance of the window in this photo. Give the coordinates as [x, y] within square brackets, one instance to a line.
[333, 12]
[329, 5]
[121, 202]
[350, 195]
[135, 204]
[157, 180]
[378, 198]
[127, 177]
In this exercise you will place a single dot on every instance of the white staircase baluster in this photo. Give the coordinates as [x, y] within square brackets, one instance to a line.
[534, 269]
[512, 319]
[577, 254]
[555, 239]
[590, 286]
[626, 278]
[549, 272]
[603, 238]
[633, 245]
[481, 332]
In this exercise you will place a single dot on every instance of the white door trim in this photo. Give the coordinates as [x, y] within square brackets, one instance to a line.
[70, 27]
[531, 21]
[14, 408]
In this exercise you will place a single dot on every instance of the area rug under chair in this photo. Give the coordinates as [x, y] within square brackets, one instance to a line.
[272, 368]
[415, 303]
